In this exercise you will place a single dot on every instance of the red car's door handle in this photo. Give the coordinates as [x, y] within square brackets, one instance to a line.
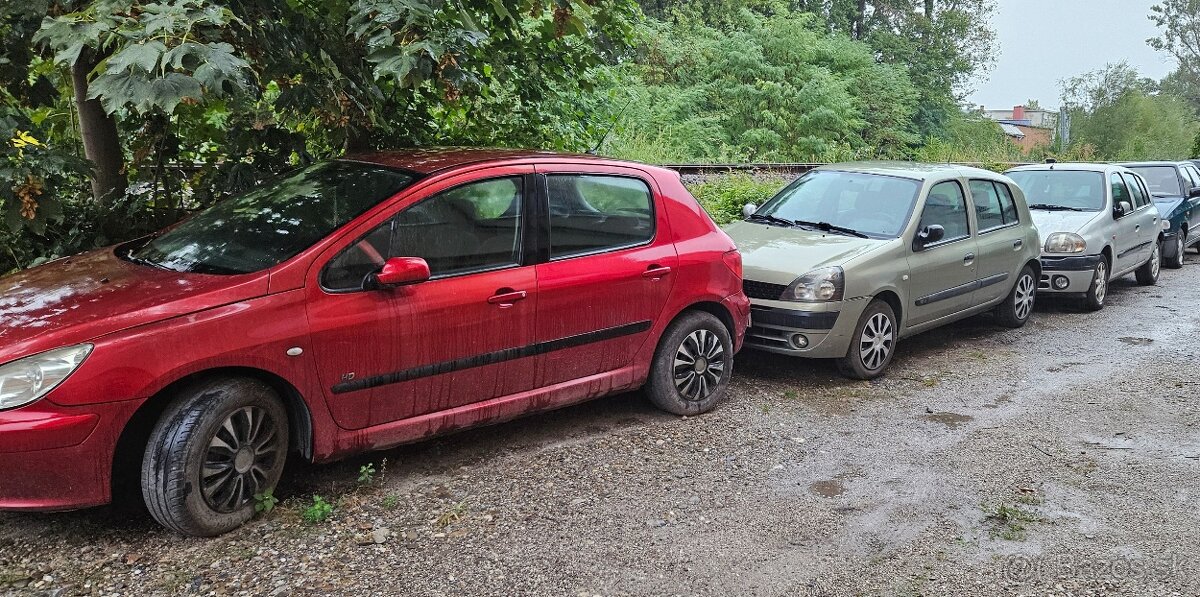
[507, 296]
[656, 271]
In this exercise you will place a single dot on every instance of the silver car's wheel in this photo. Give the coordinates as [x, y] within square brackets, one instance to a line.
[875, 343]
[699, 364]
[1147, 275]
[1098, 289]
[1100, 280]
[1023, 302]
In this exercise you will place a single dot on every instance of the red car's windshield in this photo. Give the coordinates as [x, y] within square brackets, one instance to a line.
[271, 224]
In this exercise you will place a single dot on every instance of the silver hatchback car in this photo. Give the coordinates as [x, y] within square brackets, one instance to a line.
[1098, 223]
[850, 258]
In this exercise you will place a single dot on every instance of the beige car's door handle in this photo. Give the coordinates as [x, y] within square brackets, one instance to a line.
[969, 258]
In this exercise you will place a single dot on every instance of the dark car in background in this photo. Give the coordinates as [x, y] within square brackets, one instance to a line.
[1175, 187]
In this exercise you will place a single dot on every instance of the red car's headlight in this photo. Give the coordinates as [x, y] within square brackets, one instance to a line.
[26, 380]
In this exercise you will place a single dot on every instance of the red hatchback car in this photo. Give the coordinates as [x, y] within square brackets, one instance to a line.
[356, 305]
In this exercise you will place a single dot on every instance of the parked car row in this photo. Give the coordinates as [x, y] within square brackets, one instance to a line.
[382, 299]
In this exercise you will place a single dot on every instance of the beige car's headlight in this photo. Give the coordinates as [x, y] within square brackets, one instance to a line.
[29, 379]
[818, 286]
[1065, 242]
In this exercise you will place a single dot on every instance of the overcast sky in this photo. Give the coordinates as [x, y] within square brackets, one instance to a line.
[1044, 41]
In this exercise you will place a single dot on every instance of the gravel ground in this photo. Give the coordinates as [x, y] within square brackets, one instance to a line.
[1057, 459]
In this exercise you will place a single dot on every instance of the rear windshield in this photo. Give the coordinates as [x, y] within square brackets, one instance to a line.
[1162, 180]
[1075, 190]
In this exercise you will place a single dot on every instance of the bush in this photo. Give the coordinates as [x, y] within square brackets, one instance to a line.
[724, 197]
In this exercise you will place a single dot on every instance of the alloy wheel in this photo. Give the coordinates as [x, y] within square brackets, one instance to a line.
[1024, 297]
[876, 341]
[1101, 280]
[239, 459]
[699, 365]
[1156, 260]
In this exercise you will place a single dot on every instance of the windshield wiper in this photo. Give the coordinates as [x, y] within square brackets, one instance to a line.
[1048, 207]
[827, 227]
[128, 256]
[772, 219]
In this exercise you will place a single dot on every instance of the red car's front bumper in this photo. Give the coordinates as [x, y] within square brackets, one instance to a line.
[58, 458]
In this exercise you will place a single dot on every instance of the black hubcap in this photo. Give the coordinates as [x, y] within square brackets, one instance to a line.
[240, 459]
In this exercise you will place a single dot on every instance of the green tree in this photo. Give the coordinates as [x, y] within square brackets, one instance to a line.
[773, 87]
[1126, 117]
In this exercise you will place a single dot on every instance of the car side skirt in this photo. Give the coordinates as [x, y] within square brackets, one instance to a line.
[487, 412]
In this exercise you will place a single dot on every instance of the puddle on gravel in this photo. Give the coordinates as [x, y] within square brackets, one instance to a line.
[949, 419]
[1136, 341]
[830, 489]
[1000, 401]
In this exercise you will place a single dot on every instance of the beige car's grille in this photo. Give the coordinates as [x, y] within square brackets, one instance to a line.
[763, 290]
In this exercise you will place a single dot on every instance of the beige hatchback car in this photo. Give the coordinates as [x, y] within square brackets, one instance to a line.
[850, 258]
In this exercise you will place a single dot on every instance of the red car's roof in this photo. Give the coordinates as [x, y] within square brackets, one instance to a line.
[428, 161]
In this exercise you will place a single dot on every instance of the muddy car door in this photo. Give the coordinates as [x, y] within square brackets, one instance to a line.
[609, 268]
[461, 336]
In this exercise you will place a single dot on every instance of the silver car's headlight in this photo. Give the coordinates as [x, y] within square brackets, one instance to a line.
[1065, 242]
[818, 286]
[27, 380]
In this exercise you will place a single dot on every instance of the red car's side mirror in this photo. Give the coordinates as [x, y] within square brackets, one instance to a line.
[401, 271]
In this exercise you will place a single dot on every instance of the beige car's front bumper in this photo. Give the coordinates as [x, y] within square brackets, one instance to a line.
[827, 327]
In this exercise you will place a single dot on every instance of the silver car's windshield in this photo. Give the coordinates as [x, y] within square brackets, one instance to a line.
[873, 205]
[1075, 190]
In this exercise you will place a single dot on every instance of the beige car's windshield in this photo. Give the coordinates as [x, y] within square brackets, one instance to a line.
[872, 205]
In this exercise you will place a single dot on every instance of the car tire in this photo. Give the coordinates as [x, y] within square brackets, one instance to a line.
[1015, 310]
[877, 327]
[1097, 292]
[235, 427]
[1147, 274]
[692, 365]
[1180, 241]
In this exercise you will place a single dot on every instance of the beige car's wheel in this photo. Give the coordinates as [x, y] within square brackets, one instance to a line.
[873, 344]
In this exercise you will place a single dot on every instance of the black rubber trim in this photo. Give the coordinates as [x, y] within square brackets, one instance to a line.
[491, 358]
[1070, 264]
[803, 320]
[948, 293]
[992, 280]
[1132, 249]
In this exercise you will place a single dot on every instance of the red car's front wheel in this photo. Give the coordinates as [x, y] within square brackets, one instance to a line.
[221, 445]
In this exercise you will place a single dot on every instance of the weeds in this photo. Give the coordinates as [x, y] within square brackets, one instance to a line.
[264, 503]
[1008, 522]
[366, 473]
[453, 515]
[318, 512]
[390, 502]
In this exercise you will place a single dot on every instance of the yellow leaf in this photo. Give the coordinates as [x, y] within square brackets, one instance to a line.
[24, 139]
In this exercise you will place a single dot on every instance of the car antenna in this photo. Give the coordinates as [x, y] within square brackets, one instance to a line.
[596, 150]
[1052, 162]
